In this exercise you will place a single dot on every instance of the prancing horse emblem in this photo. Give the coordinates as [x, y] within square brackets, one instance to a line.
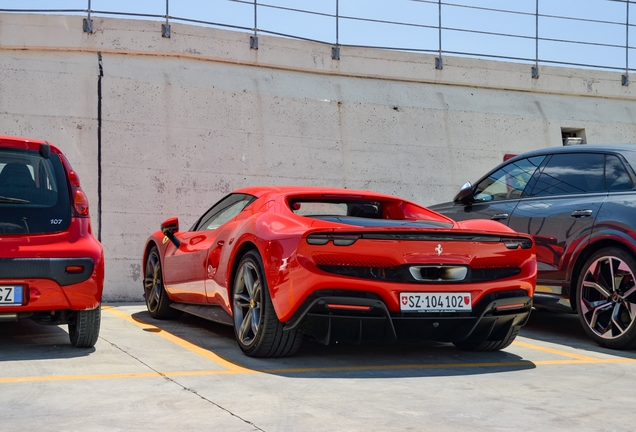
[439, 249]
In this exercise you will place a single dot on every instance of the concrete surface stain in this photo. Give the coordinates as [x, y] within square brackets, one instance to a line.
[135, 272]
[160, 185]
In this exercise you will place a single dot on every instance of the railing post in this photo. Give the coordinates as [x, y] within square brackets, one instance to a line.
[335, 51]
[254, 37]
[625, 79]
[165, 28]
[439, 64]
[88, 22]
[535, 68]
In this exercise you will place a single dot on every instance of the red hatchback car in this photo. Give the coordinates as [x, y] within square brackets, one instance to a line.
[51, 265]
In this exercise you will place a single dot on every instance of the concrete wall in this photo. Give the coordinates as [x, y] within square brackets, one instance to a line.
[186, 120]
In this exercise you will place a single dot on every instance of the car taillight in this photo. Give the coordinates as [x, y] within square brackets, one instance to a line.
[514, 243]
[80, 203]
[74, 269]
[338, 239]
[74, 178]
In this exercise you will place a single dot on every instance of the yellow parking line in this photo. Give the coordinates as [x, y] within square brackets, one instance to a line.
[234, 368]
[590, 361]
[114, 376]
[522, 363]
[180, 342]
[553, 351]
[79, 377]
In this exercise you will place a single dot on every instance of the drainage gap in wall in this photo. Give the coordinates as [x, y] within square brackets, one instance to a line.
[572, 136]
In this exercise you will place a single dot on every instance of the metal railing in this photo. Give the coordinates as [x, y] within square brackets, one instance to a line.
[591, 34]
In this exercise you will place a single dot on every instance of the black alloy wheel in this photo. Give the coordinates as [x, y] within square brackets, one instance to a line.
[157, 300]
[258, 331]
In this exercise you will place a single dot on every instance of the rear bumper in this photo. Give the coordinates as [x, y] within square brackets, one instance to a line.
[330, 315]
[48, 268]
[52, 284]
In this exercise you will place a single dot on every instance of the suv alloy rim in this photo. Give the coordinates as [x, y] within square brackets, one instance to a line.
[605, 301]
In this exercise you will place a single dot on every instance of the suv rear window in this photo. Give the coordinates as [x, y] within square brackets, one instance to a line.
[34, 195]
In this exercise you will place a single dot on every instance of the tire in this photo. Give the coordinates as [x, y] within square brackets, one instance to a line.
[258, 331]
[606, 298]
[479, 342]
[83, 328]
[157, 300]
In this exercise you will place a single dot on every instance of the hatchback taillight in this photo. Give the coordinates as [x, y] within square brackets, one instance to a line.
[74, 178]
[80, 202]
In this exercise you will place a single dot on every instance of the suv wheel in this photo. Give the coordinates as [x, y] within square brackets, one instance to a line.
[606, 298]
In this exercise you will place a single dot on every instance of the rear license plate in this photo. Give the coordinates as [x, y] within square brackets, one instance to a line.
[435, 302]
[10, 295]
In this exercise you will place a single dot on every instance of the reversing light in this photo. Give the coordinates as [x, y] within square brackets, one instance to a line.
[514, 243]
[81, 203]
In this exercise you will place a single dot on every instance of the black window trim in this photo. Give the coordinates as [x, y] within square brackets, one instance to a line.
[196, 226]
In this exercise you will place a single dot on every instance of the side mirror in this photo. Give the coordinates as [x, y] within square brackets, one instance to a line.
[465, 194]
[169, 227]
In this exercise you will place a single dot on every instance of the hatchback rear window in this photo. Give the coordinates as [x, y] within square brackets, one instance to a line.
[34, 195]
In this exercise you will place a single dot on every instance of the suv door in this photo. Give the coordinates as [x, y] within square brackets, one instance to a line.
[496, 195]
[565, 198]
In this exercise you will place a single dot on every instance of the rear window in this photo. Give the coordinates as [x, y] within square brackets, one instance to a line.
[355, 208]
[34, 195]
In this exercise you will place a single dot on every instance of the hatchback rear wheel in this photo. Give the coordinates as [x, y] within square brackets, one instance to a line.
[83, 328]
[606, 298]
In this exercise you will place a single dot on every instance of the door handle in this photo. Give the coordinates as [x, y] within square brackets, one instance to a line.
[500, 216]
[220, 243]
[581, 213]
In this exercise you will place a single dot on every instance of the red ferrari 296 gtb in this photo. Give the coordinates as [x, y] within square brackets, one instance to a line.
[284, 263]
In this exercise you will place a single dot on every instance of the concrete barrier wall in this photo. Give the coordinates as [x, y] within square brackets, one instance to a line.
[186, 120]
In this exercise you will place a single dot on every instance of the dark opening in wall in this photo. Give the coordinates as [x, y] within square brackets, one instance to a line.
[573, 136]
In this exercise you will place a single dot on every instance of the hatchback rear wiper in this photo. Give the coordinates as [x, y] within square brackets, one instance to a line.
[10, 200]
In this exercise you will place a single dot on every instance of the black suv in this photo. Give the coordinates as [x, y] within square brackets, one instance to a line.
[579, 203]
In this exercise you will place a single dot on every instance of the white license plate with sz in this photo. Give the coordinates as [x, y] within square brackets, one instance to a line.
[435, 302]
[10, 295]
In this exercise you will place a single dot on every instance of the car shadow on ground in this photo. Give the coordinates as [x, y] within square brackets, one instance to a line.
[343, 360]
[565, 329]
[28, 340]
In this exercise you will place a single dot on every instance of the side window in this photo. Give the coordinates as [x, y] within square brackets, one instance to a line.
[616, 176]
[223, 211]
[571, 173]
[509, 181]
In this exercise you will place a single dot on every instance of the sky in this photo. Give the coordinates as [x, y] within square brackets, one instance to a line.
[599, 22]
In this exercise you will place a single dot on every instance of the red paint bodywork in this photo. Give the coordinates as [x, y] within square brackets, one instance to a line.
[201, 269]
[77, 241]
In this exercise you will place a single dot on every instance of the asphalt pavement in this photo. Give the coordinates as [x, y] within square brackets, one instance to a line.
[189, 374]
